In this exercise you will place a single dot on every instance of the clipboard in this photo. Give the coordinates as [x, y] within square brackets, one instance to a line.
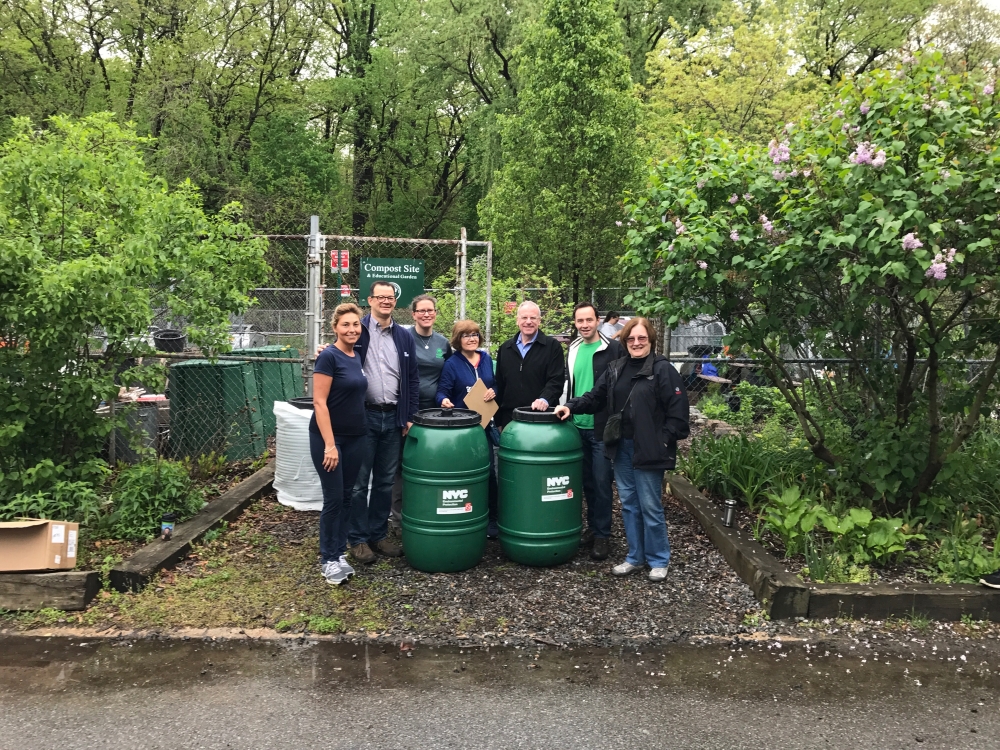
[474, 401]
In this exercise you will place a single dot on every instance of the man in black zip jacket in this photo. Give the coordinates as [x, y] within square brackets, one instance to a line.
[529, 367]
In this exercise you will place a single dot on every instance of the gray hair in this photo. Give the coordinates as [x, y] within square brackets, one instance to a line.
[529, 303]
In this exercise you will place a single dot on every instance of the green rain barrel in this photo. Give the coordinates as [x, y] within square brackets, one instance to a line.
[541, 484]
[446, 471]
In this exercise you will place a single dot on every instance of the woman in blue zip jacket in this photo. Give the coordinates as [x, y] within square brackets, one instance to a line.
[458, 376]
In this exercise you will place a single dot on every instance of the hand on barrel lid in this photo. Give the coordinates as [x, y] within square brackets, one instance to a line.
[562, 412]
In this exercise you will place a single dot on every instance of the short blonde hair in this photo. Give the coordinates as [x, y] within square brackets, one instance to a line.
[345, 308]
[647, 324]
[463, 327]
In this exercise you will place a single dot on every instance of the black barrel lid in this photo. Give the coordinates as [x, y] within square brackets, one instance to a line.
[302, 402]
[447, 418]
[548, 416]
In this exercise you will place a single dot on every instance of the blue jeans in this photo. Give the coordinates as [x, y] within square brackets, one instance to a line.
[641, 491]
[596, 484]
[338, 487]
[370, 515]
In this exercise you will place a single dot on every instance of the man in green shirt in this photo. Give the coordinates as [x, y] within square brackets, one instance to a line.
[587, 358]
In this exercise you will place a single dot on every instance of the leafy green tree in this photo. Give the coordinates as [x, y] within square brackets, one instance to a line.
[967, 32]
[868, 232]
[735, 79]
[569, 150]
[91, 246]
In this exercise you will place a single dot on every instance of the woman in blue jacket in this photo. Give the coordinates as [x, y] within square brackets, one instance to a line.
[460, 373]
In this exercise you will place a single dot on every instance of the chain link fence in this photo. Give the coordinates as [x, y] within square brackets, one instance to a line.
[223, 406]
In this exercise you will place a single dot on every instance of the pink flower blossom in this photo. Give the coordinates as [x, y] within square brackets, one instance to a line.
[734, 236]
[734, 198]
[701, 184]
[766, 223]
[789, 126]
[794, 173]
[945, 174]
[681, 229]
[865, 154]
[702, 265]
[618, 223]
[910, 242]
[865, 107]
[939, 268]
[778, 151]
[926, 106]
[779, 175]
[988, 89]
[747, 197]
[838, 115]
[941, 104]
[879, 160]
[806, 172]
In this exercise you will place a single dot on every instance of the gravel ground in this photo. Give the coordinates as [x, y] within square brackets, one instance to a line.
[579, 602]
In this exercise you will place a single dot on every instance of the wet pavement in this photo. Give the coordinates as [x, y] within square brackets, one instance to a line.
[67, 693]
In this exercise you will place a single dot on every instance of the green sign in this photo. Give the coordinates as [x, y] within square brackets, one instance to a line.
[405, 274]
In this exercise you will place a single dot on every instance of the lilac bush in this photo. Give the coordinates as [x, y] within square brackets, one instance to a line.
[882, 251]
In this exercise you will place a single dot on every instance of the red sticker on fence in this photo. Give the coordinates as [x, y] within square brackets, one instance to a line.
[345, 290]
[345, 259]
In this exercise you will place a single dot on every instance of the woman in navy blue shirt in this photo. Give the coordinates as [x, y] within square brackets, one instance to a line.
[337, 434]
[459, 374]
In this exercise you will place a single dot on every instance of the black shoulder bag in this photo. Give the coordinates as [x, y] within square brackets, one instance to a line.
[613, 428]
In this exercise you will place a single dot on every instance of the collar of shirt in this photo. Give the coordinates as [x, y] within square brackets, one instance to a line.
[375, 327]
[524, 347]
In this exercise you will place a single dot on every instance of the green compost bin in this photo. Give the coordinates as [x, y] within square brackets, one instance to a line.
[276, 381]
[446, 471]
[540, 474]
[215, 406]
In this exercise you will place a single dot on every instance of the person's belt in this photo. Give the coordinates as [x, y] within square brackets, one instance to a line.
[380, 407]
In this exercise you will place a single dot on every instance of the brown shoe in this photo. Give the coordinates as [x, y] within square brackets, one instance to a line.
[362, 553]
[601, 550]
[388, 548]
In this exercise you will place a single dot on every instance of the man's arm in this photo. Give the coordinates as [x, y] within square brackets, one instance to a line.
[498, 377]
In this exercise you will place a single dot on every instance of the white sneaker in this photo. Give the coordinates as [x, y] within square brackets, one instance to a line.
[346, 566]
[624, 569]
[658, 574]
[333, 573]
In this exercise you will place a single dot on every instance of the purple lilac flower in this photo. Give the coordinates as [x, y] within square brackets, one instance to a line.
[734, 198]
[939, 268]
[865, 107]
[734, 236]
[942, 104]
[839, 114]
[806, 172]
[863, 154]
[766, 223]
[879, 160]
[910, 242]
[789, 126]
[945, 174]
[702, 265]
[779, 175]
[908, 59]
[747, 197]
[701, 184]
[794, 173]
[988, 89]
[618, 223]
[926, 106]
[778, 151]
[681, 229]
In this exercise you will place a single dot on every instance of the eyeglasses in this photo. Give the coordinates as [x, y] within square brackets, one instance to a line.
[424, 312]
[470, 335]
[383, 297]
[636, 339]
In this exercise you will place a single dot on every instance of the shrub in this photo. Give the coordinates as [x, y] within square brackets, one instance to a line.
[143, 493]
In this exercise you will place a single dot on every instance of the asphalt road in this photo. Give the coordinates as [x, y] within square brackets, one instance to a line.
[148, 694]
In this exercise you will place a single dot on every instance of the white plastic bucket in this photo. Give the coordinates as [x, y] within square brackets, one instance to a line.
[295, 477]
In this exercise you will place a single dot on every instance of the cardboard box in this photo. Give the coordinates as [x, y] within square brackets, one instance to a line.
[34, 544]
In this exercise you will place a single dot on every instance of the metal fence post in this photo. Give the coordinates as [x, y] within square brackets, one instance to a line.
[461, 295]
[489, 291]
[314, 303]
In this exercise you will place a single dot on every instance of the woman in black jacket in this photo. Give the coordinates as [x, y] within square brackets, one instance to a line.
[649, 394]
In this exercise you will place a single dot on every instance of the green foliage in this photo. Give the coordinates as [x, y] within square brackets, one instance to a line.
[569, 149]
[792, 517]
[757, 404]
[61, 500]
[91, 241]
[143, 493]
[761, 237]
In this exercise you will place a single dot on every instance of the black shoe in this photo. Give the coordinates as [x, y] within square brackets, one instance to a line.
[992, 580]
[602, 548]
[587, 537]
[492, 530]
